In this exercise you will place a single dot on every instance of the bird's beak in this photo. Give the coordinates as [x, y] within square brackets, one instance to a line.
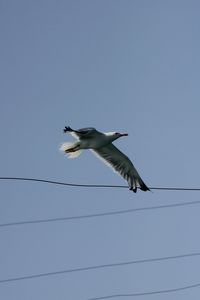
[124, 134]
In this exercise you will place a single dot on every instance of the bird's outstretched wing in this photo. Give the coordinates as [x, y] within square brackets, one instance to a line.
[80, 133]
[122, 165]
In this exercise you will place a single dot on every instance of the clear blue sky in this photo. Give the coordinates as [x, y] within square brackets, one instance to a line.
[115, 65]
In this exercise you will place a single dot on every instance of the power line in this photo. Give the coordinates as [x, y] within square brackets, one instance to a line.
[89, 268]
[104, 214]
[187, 287]
[95, 185]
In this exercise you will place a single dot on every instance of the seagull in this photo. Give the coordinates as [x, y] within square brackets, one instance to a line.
[101, 144]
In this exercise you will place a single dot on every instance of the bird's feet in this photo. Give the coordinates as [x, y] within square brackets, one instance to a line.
[74, 149]
[70, 150]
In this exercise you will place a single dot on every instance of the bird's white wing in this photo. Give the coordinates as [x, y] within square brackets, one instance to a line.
[122, 165]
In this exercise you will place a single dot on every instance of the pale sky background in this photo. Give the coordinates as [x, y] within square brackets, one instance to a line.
[118, 66]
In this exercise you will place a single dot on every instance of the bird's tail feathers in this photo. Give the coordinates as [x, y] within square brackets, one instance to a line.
[71, 149]
[74, 154]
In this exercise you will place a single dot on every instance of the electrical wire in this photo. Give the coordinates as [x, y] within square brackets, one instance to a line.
[103, 214]
[183, 288]
[90, 268]
[95, 185]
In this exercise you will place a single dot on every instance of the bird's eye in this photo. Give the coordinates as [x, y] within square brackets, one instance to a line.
[116, 133]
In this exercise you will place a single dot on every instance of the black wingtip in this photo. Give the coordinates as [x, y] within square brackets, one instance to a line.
[133, 189]
[67, 129]
[144, 188]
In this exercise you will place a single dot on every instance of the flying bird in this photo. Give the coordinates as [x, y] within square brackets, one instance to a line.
[101, 144]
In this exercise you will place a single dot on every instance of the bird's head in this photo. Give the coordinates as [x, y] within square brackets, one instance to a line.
[115, 135]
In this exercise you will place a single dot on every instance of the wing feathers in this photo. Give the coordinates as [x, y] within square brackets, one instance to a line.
[122, 165]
